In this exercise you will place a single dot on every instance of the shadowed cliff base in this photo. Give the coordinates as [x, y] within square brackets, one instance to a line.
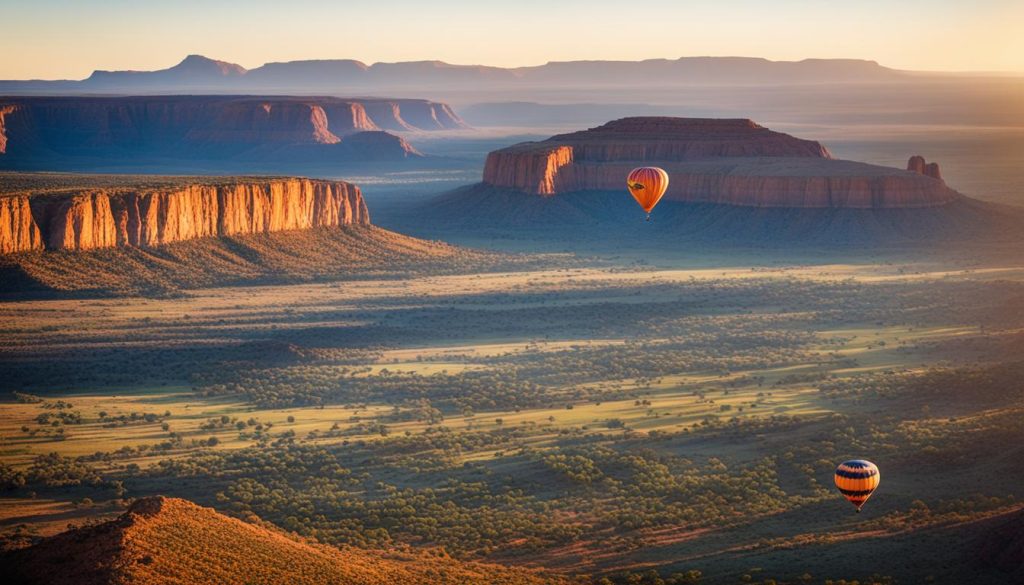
[603, 215]
[169, 540]
[312, 255]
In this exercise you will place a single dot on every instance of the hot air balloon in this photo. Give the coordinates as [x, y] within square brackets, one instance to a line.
[856, 480]
[647, 185]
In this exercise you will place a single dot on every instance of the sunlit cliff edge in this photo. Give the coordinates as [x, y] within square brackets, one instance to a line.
[92, 218]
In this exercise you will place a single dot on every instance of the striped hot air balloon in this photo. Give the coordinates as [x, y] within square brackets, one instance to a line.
[857, 480]
[647, 185]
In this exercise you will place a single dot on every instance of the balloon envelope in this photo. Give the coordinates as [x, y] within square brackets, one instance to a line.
[647, 185]
[857, 480]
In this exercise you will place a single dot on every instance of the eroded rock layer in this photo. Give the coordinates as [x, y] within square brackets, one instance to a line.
[151, 216]
[735, 162]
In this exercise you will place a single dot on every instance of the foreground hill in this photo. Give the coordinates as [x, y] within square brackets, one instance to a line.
[168, 540]
[38, 130]
[729, 180]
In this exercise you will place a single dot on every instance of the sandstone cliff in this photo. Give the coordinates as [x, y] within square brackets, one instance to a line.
[266, 123]
[151, 216]
[735, 162]
[349, 118]
[18, 230]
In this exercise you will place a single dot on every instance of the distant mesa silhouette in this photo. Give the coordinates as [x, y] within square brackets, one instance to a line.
[38, 132]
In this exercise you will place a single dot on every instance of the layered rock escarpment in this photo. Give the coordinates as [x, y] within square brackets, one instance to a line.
[147, 216]
[735, 162]
[206, 127]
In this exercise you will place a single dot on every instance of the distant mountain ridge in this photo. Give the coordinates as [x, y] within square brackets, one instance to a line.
[193, 67]
[197, 72]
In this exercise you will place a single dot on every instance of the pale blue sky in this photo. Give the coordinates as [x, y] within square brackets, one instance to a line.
[70, 38]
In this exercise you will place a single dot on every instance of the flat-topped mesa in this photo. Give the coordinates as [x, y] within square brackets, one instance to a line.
[677, 139]
[148, 216]
[208, 127]
[728, 161]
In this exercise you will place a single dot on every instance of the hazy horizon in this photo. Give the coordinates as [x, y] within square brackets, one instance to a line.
[68, 40]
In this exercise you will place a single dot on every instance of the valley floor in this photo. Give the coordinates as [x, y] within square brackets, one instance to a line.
[592, 418]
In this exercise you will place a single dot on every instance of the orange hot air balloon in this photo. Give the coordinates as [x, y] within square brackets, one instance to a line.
[647, 185]
[857, 480]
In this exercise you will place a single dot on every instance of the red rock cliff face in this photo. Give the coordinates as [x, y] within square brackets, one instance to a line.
[267, 123]
[348, 118]
[733, 162]
[531, 170]
[146, 218]
[18, 230]
[405, 115]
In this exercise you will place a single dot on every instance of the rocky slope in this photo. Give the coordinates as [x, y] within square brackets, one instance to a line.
[161, 211]
[733, 162]
[208, 127]
[168, 540]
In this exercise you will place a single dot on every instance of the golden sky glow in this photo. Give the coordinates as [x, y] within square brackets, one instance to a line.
[68, 38]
